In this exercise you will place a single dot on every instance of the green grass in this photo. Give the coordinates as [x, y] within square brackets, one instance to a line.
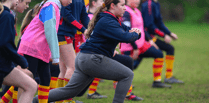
[191, 65]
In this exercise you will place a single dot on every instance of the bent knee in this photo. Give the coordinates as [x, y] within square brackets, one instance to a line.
[159, 54]
[29, 73]
[131, 75]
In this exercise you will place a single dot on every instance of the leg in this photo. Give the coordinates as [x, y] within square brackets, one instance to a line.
[77, 83]
[127, 61]
[103, 67]
[45, 77]
[20, 79]
[169, 59]
[20, 90]
[67, 56]
[157, 65]
[54, 69]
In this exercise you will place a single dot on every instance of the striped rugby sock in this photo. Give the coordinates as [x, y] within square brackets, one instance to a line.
[93, 86]
[169, 60]
[157, 68]
[43, 93]
[8, 95]
[53, 83]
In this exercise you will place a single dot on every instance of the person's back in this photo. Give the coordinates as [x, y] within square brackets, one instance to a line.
[71, 15]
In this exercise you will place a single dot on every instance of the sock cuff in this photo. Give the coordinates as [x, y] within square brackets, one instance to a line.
[169, 57]
[54, 78]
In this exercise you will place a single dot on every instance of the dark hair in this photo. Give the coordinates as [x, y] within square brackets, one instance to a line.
[3, 0]
[94, 20]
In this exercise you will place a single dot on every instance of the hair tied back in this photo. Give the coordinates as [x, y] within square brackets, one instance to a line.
[103, 5]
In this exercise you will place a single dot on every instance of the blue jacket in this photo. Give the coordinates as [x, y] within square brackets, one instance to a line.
[71, 15]
[152, 18]
[8, 50]
[108, 32]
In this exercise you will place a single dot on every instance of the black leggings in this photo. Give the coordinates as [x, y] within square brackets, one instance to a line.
[168, 48]
[41, 67]
[151, 52]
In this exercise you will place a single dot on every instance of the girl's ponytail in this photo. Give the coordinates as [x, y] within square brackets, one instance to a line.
[104, 7]
[1, 8]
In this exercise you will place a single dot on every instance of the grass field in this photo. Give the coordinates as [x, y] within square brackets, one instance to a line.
[191, 65]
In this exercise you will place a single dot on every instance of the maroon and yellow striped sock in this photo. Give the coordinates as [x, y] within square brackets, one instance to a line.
[60, 83]
[129, 91]
[169, 60]
[53, 83]
[8, 95]
[65, 83]
[93, 86]
[43, 93]
[157, 68]
[115, 84]
[14, 96]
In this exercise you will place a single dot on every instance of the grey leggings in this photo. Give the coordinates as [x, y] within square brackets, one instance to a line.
[89, 66]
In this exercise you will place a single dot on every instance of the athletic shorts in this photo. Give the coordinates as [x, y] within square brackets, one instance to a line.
[62, 39]
[6, 66]
[79, 40]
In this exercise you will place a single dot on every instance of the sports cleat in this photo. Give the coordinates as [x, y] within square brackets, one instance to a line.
[74, 101]
[173, 80]
[134, 97]
[158, 84]
[101, 80]
[96, 95]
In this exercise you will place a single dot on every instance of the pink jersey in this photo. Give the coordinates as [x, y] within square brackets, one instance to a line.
[136, 22]
[33, 42]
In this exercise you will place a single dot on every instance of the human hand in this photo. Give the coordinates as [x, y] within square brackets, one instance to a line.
[153, 44]
[135, 54]
[174, 36]
[138, 31]
[115, 52]
[167, 39]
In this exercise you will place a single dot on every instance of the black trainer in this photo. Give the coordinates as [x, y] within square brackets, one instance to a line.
[158, 84]
[134, 97]
[173, 80]
[96, 95]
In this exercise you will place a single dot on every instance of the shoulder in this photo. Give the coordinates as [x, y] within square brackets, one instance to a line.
[126, 13]
[108, 20]
[5, 16]
[126, 16]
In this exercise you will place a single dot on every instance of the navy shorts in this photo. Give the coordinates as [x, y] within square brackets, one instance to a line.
[62, 39]
[6, 66]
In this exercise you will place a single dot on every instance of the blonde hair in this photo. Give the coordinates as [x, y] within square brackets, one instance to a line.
[28, 17]
[1, 8]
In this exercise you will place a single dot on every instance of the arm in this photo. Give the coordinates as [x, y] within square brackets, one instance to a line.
[127, 22]
[66, 13]
[7, 36]
[11, 51]
[149, 19]
[84, 17]
[115, 31]
[147, 36]
[49, 19]
[160, 23]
